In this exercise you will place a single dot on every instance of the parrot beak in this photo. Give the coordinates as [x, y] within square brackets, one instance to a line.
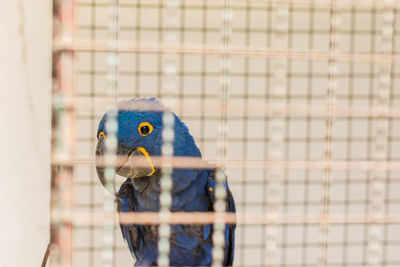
[130, 163]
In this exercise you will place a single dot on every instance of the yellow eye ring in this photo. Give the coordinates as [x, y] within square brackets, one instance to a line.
[102, 134]
[145, 128]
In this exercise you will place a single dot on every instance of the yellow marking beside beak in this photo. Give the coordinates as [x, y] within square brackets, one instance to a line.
[146, 154]
[102, 134]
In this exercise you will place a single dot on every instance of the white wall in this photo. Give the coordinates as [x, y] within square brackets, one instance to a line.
[25, 117]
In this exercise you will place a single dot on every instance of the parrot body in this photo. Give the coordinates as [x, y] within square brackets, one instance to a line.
[192, 191]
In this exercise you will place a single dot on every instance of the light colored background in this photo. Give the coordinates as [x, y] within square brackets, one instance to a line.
[25, 108]
[300, 191]
[25, 92]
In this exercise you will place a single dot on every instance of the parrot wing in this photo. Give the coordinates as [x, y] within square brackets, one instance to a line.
[229, 248]
[229, 231]
[134, 234]
[126, 203]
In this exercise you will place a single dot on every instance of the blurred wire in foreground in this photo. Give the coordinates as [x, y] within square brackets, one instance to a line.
[169, 88]
[218, 236]
[381, 141]
[63, 138]
[111, 140]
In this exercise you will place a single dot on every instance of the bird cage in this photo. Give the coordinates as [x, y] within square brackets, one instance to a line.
[298, 102]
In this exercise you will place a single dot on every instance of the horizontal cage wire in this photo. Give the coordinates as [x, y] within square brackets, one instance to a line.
[298, 101]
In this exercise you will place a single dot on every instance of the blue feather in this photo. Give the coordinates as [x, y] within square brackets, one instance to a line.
[191, 245]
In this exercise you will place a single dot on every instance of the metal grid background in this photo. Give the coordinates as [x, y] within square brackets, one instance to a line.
[299, 190]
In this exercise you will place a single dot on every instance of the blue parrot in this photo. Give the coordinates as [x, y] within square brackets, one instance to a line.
[139, 135]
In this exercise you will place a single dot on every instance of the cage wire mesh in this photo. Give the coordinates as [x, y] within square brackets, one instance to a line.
[298, 100]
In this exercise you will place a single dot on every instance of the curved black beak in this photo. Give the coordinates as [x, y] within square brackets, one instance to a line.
[130, 163]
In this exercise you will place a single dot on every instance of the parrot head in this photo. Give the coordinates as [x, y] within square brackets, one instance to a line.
[139, 139]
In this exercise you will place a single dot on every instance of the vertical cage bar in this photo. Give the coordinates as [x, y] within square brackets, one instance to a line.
[220, 189]
[329, 122]
[371, 104]
[277, 129]
[381, 140]
[309, 129]
[349, 141]
[169, 88]
[389, 177]
[111, 142]
[166, 186]
[63, 129]
[92, 129]
[247, 10]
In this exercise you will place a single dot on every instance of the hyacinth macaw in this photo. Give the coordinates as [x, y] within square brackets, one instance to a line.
[139, 134]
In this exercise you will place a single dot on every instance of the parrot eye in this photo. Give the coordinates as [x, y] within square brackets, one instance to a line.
[145, 128]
